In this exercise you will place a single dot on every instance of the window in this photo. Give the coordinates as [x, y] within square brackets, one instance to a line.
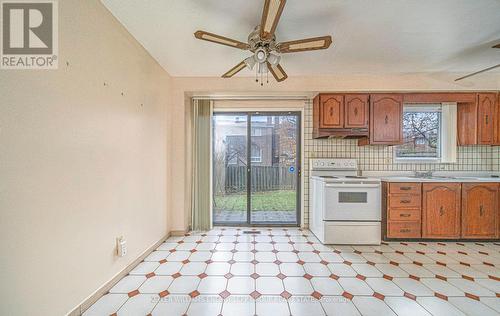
[428, 133]
[256, 131]
[256, 154]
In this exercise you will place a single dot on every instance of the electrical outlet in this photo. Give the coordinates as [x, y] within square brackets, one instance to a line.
[121, 246]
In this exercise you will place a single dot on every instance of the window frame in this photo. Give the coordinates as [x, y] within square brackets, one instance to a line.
[438, 107]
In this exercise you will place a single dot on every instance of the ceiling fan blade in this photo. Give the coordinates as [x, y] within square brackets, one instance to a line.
[270, 18]
[277, 71]
[314, 43]
[496, 46]
[233, 71]
[220, 40]
[478, 72]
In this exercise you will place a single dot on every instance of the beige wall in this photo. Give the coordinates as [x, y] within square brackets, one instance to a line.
[80, 164]
[183, 87]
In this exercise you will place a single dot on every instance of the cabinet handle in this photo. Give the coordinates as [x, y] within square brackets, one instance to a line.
[331, 111]
[356, 111]
[481, 210]
[405, 188]
[404, 215]
[406, 230]
[487, 119]
[386, 119]
[405, 201]
[441, 211]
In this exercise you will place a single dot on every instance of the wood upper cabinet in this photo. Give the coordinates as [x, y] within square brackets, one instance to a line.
[467, 123]
[480, 210]
[486, 118]
[331, 111]
[497, 121]
[441, 210]
[386, 116]
[356, 111]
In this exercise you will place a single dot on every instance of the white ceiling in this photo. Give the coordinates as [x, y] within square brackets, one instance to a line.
[370, 36]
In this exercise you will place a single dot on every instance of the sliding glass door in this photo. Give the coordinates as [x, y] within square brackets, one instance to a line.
[256, 168]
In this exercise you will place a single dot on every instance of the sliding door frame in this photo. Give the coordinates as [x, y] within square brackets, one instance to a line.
[298, 205]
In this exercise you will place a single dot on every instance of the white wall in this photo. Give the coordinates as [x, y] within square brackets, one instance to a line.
[80, 164]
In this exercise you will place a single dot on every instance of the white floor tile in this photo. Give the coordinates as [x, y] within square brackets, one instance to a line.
[241, 285]
[371, 306]
[222, 256]
[468, 271]
[326, 286]
[141, 304]
[267, 269]
[391, 270]
[287, 257]
[106, 305]
[271, 306]
[471, 287]
[405, 307]
[490, 284]
[168, 268]
[179, 256]
[366, 270]
[243, 256]
[442, 287]
[242, 268]
[269, 286]
[292, 269]
[265, 257]
[331, 257]
[413, 287]
[416, 270]
[441, 270]
[472, 307]
[157, 255]
[309, 256]
[305, 306]
[298, 286]
[355, 286]
[342, 270]
[218, 268]
[492, 302]
[200, 256]
[438, 307]
[212, 285]
[156, 284]
[317, 269]
[128, 284]
[174, 305]
[238, 305]
[338, 305]
[204, 305]
[184, 285]
[144, 268]
[384, 287]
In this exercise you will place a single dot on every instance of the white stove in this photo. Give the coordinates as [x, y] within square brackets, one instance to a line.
[344, 208]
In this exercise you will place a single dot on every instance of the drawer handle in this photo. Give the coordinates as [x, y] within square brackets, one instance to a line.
[405, 201]
[404, 215]
[405, 188]
[441, 211]
[405, 230]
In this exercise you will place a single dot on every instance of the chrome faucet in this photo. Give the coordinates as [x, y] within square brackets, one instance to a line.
[425, 174]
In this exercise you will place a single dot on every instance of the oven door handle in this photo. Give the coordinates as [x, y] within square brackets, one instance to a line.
[359, 186]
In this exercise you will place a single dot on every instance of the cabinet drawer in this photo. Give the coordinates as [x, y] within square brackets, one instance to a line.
[403, 229]
[404, 214]
[406, 188]
[404, 201]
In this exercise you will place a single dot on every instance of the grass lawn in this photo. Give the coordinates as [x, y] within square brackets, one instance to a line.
[261, 201]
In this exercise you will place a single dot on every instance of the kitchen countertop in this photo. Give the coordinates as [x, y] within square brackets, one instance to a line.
[437, 177]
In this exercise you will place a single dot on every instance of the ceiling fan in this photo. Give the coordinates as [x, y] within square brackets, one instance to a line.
[262, 43]
[480, 71]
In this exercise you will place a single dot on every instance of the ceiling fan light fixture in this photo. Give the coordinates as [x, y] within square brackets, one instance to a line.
[274, 59]
[262, 68]
[250, 62]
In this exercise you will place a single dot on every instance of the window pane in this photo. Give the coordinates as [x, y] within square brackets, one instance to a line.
[421, 133]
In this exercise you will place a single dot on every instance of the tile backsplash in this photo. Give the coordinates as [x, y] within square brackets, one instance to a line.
[381, 158]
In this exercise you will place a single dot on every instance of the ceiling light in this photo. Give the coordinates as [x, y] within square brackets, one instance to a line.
[273, 59]
[250, 62]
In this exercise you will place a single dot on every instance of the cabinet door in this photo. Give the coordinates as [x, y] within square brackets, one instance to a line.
[497, 121]
[486, 118]
[479, 210]
[331, 111]
[356, 111]
[441, 210]
[467, 123]
[386, 116]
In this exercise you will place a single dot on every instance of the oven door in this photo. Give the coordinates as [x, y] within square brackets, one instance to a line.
[352, 202]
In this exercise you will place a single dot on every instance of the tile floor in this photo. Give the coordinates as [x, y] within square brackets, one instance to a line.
[288, 272]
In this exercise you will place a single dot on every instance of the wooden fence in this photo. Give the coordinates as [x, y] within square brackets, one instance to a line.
[263, 178]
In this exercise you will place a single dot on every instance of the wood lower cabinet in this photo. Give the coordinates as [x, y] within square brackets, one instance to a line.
[402, 201]
[480, 210]
[441, 210]
[386, 116]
